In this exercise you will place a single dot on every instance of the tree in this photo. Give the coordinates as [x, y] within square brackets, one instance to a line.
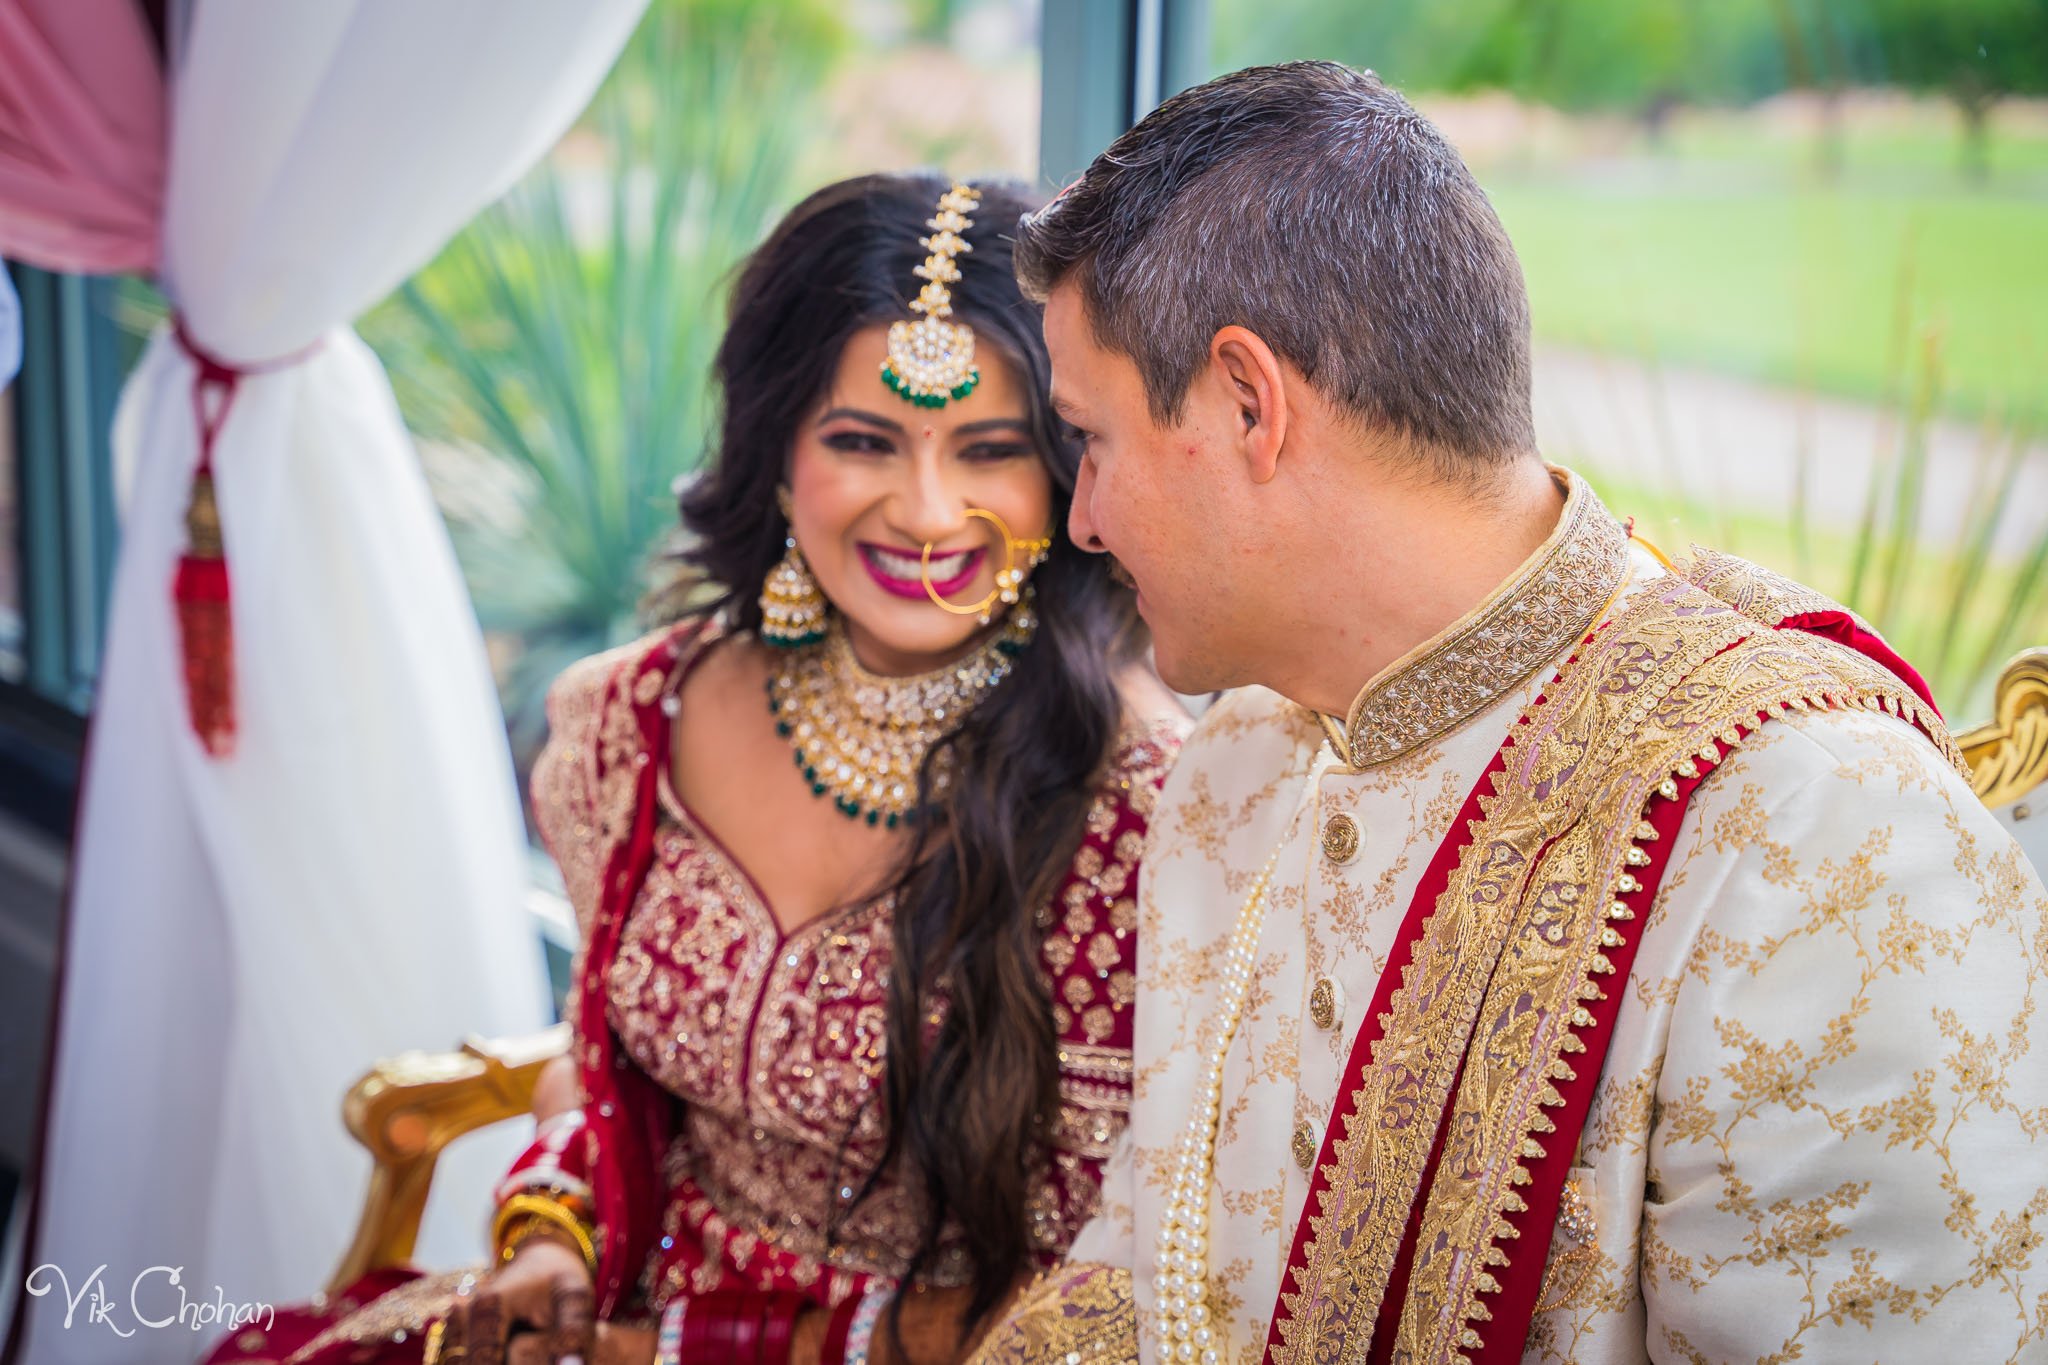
[1976, 52]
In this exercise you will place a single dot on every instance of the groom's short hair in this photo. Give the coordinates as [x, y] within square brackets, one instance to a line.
[1313, 205]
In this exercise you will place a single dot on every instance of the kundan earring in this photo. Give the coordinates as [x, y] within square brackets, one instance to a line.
[792, 604]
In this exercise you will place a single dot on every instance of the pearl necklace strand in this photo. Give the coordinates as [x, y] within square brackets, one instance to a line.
[1191, 1333]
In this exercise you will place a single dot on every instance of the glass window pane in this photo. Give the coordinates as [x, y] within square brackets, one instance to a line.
[553, 362]
[1785, 268]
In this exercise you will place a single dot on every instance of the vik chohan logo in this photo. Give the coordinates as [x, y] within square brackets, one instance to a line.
[156, 1299]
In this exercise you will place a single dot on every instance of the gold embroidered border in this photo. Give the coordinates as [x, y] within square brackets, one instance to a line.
[1643, 679]
[1525, 623]
[1756, 592]
[1599, 758]
[1082, 1311]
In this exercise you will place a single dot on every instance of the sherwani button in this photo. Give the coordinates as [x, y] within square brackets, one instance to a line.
[1340, 838]
[1304, 1144]
[1325, 1003]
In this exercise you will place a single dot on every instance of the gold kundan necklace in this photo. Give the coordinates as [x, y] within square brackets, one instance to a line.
[860, 737]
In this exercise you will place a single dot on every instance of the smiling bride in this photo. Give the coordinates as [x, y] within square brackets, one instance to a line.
[853, 850]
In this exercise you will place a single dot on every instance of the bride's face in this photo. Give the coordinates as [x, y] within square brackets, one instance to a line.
[874, 479]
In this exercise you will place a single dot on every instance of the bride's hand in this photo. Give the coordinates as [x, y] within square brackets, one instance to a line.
[621, 1345]
[538, 1309]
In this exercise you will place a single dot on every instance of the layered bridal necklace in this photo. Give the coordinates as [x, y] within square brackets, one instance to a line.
[860, 737]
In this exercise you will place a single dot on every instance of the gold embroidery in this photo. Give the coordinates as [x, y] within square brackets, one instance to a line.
[1524, 624]
[1575, 1253]
[1754, 591]
[1671, 673]
[1650, 696]
[394, 1316]
[564, 783]
[1079, 1312]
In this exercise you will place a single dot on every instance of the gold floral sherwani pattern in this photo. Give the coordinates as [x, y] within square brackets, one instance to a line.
[1731, 998]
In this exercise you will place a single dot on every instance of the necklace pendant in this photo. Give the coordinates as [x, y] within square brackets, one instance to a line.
[864, 739]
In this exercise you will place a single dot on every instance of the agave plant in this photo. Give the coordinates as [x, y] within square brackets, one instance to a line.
[554, 359]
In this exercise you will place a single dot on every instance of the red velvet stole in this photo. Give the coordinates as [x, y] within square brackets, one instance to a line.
[631, 1118]
[1513, 1307]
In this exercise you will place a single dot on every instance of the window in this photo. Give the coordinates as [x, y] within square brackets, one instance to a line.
[1785, 271]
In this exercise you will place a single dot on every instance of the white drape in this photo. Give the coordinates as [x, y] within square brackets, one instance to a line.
[246, 935]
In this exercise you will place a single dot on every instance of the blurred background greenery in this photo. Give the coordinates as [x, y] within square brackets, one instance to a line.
[1788, 261]
[1788, 266]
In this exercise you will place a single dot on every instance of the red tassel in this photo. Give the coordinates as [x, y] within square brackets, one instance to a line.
[205, 623]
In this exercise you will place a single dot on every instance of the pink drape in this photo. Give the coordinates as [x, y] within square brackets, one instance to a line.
[81, 136]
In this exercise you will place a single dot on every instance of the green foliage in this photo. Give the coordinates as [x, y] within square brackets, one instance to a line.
[1642, 55]
[1976, 52]
[559, 349]
[1790, 282]
[1635, 55]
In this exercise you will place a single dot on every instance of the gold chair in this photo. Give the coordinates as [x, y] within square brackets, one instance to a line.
[411, 1106]
[2009, 754]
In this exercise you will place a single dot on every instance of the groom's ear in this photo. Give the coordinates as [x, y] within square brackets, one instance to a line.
[1249, 373]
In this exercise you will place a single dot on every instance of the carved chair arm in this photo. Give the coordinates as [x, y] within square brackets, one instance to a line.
[411, 1106]
[2008, 755]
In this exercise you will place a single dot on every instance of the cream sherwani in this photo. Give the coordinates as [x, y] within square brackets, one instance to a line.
[1821, 1130]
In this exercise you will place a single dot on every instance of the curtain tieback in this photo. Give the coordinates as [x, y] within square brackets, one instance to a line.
[200, 588]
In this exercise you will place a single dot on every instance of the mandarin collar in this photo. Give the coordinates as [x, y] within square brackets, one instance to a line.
[1551, 600]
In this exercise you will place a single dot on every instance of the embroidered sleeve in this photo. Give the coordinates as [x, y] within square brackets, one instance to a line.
[559, 1159]
[1849, 1155]
[564, 777]
[562, 1155]
[1089, 960]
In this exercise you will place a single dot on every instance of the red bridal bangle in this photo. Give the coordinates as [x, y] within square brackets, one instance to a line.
[704, 1330]
[834, 1350]
[740, 1327]
[778, 1326]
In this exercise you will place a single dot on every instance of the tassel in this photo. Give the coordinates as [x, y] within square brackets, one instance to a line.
[205, 622]
[206, 632]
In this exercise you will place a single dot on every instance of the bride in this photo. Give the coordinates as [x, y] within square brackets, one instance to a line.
[852, 850]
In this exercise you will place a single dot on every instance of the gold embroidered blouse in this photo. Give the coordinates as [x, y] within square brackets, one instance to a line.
[773, 1044]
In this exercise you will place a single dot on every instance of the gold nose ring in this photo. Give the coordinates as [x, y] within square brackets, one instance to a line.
[1009, 579]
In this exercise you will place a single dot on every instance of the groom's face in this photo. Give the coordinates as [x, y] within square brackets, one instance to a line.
[1157, 498]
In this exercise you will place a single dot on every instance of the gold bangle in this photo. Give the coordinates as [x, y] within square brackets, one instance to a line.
[527, 1228]
[524, 1214]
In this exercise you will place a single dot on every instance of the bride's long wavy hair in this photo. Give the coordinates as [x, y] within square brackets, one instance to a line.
[969, 1109]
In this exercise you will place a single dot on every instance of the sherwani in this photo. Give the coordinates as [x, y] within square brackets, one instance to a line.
[1820, 1127]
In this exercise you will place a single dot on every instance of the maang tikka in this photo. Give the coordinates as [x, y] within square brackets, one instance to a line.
[931, 360]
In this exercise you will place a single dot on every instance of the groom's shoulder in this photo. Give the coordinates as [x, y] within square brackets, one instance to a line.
[1245, 719]
[1885, 757]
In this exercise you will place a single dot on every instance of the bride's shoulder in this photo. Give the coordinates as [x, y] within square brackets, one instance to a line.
[1148, 741]
[578, 691]
[1155, 716]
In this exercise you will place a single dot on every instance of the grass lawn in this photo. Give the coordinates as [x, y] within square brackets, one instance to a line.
[1723, 249]
[1727, 252]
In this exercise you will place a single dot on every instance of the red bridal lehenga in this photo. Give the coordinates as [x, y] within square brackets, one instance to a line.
[732, 1074]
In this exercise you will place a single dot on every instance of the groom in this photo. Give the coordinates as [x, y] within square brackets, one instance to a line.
[1551, 953]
